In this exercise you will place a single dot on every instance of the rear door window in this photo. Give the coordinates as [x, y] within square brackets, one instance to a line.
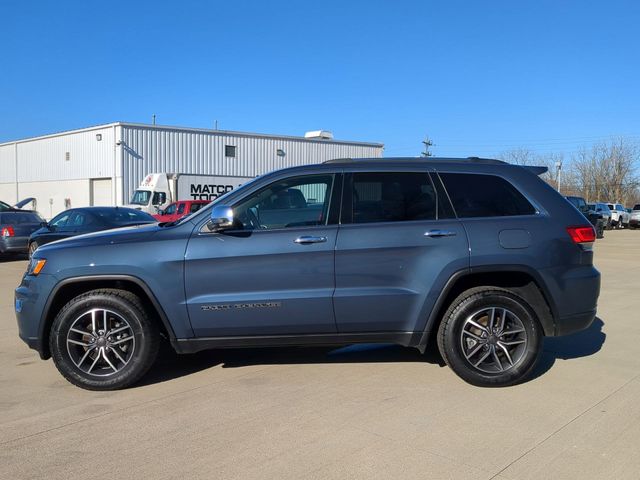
[481, 195]
[392, 197]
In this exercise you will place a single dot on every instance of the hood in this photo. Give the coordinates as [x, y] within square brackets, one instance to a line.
[105, 237]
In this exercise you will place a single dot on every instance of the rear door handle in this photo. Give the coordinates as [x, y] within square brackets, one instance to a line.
[306, 239]
[439, 233]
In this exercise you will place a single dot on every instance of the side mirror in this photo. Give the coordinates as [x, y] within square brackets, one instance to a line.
[221, 218]
[44, 224]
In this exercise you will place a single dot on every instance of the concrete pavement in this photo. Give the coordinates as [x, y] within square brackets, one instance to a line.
[356, 412]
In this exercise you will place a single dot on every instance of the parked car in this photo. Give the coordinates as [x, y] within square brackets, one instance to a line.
[619, 215]
[634, 219]
[15, 227]
[480, 254]
[77, 221]
[602, 209]
[180, 209]
[596, 219]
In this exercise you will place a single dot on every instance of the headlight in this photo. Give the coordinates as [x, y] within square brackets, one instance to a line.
[35, 266]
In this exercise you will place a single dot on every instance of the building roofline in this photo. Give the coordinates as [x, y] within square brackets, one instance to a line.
[193, 129]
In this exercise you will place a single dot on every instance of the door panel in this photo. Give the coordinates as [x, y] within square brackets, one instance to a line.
[388, 275]
[395, 253]
[274, 273]
[261, 283]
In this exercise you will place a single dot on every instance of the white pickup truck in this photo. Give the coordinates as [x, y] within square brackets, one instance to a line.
[158, 190]
[619, 215]
[634, 221]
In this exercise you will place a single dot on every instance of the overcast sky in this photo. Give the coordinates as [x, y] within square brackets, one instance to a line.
[478, 77]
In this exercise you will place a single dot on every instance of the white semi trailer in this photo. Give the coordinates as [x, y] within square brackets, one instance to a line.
[158, 190]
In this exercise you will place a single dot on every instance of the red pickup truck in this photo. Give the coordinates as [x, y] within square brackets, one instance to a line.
[177, 210]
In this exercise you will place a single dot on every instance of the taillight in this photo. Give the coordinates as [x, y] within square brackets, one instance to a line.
[582, 234]
[7, 232]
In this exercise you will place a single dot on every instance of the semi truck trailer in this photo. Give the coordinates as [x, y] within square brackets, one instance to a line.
[158, 190]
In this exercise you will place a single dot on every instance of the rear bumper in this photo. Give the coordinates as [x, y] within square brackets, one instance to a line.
[574, 323]
[14, 244]
[574, 293]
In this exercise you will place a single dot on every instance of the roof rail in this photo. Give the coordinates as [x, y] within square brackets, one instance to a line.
[339, 160]
[419, 159]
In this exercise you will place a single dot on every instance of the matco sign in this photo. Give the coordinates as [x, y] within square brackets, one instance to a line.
[205, 187]
[199, 191]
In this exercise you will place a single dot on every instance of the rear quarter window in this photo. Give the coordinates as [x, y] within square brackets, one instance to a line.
[482, 195]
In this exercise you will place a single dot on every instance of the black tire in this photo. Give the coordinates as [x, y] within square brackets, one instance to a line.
[135, 336]
[452, 342]
[33, 246]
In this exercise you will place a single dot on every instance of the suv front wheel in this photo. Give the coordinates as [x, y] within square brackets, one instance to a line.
[104, 340]
[490, 337]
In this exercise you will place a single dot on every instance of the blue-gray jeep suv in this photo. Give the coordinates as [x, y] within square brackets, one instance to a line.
[481, 254]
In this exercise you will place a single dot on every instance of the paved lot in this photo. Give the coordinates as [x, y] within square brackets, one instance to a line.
[366, 412]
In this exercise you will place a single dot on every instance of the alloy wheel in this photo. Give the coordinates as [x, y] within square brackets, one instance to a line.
[100, 342]
[493, 340]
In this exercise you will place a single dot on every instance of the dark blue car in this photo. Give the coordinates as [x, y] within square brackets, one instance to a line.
[77, 221]
[482, 256]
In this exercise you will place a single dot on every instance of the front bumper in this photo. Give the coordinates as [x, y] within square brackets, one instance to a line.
[30, 299]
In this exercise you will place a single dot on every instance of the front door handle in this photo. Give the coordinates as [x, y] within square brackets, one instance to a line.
[306, 239]
[439, 233]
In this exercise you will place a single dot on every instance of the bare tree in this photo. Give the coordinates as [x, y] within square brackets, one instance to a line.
[608, 171]
[524, 156]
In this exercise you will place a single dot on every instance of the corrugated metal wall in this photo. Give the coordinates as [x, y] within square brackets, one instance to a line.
[154, 149]
[145, 149]
[67, 156]
[8, 163]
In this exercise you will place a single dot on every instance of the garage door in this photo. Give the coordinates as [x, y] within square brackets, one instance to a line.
[101, 192]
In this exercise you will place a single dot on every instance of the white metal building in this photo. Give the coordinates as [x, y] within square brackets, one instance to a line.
[102, 165]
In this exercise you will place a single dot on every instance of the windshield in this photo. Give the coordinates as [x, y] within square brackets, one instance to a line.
[4, 206]
[141, 197]
[636, 207]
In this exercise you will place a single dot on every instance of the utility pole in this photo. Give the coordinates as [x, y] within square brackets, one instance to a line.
[558, 171]
[427, 144]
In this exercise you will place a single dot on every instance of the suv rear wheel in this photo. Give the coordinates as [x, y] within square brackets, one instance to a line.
[490, 337]
[104, 340]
